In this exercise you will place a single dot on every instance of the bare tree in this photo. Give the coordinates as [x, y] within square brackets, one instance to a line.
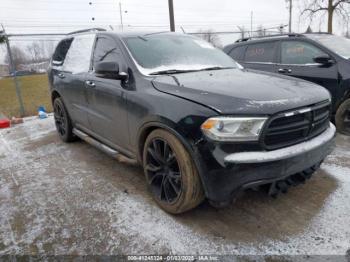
[18, 57]
[49, 48]
[35, 52]
[40, 51]
[211, 37]
[331, 7]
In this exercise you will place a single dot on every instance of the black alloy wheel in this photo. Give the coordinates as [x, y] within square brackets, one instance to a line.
[60, 119]
[163, 171]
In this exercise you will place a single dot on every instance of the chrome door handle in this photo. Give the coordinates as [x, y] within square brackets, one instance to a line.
[90, 83]
[284, 71]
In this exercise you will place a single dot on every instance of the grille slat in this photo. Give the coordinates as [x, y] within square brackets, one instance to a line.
[301, 125]
[289, 129]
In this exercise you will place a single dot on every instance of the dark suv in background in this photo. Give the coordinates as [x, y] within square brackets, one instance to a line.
[198, 124]
[320, 58]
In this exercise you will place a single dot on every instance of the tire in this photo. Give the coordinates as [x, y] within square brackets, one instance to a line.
[171, 174]
[342, 118]
[63, 122]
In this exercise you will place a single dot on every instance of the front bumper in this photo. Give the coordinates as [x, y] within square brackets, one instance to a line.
[240, 170]
[283, 153]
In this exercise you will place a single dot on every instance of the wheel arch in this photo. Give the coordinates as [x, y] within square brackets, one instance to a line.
[147, 128]
[55, 94]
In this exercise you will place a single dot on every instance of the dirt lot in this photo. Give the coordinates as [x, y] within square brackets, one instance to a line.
[58, 198]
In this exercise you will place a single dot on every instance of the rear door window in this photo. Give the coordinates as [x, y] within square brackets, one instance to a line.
[299, 53]
[79, 54]
[106, 50]
[261, 53]
[237, 53]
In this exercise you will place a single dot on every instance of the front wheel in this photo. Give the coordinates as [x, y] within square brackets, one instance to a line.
[342, 118]
[170, 173]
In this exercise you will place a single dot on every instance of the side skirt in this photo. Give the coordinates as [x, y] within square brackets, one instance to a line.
[106, 149]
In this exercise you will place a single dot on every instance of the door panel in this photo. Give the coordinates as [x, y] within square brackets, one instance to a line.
[106, 97]
[297, 60]
[107, 110]
[74, 93]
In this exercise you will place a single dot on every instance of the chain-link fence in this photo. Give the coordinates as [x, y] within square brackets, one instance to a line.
[23, 79]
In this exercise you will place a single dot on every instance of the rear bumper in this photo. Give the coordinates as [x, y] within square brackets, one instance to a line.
[239, 171]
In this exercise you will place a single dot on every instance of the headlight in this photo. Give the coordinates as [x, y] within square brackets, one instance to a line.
[233, 128]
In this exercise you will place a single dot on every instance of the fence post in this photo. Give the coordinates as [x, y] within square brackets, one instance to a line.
[13, 70]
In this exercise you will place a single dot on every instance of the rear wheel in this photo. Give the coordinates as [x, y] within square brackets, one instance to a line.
[62, 121]
[170, 173]
[342, 118]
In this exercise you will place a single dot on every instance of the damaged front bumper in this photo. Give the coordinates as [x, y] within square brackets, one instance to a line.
[226, 174]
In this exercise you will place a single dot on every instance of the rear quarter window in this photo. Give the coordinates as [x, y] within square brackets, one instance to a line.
[61, 51]
[78, 57]
[261, 53]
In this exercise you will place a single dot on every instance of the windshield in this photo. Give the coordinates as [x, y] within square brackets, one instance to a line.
[338, 44]
[173, 52]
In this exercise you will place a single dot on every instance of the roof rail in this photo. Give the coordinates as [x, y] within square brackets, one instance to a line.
[269, 36]
[86, 30]
[318, 33]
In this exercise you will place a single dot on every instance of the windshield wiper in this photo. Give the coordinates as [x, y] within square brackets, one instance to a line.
[216, 68]
[171, 71]
[178, 71]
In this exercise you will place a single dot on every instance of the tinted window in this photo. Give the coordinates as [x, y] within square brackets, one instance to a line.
[106, 50]
[237, 53]
[296, 52]
[61, 51]
[79, 54]
[158, 52]
[263, 53]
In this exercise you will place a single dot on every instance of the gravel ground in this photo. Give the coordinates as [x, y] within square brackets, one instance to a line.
[61, 199]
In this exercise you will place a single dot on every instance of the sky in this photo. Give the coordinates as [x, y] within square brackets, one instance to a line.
[48, 16]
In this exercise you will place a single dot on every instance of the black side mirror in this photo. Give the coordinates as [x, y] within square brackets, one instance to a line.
[110, 70]
[323, 60]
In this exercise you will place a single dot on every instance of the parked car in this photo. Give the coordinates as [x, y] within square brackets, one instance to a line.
[199, 124]
[320, 58]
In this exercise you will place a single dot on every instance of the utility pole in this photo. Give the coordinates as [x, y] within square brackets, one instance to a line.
[290, 15]
[171, 15]
[12, 69]
[121, 16]
[251, 24]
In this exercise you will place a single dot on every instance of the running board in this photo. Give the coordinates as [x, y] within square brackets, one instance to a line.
[106, 149]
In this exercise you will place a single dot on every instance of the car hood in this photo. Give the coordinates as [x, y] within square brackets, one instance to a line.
[242, 91]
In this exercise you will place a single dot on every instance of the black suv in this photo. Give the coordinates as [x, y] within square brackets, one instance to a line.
[318, 57]
[199, 124]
